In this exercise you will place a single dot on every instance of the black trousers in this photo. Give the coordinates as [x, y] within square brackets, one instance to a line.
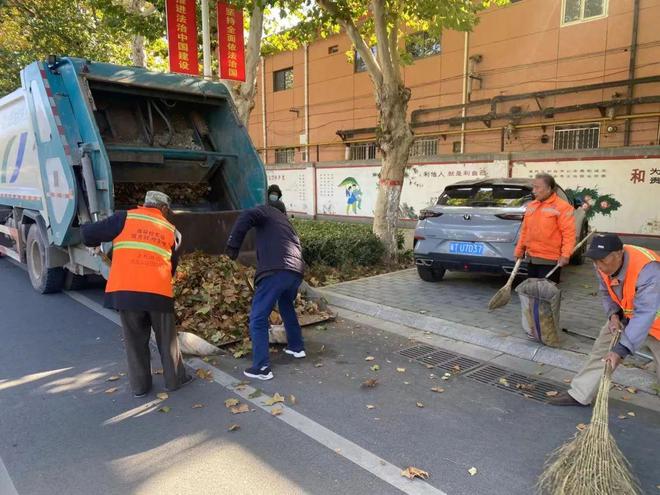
[137, 327]
[540, 271]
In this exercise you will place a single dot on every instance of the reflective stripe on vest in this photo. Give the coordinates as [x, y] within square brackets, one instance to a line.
[143, 245]
[638, 258]
[147, 218]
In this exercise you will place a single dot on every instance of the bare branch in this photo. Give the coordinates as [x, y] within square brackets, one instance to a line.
[353, 32]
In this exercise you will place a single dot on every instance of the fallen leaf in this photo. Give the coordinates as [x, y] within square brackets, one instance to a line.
[632, 390]
[318, 365]
[625, 397]
[406, 383]
[412, 472]
[369, 358]
[631, 414]
[275, 399]
[111, 390]
[276, 411]
[369, 406]
[472, 471]
[375, 367]
[437, 390]
[292, 399]
[243, 408]
[197, 406]
[113, 378]
[204, 374]
[581, 427]
[552, 393]
[446, 376]
[255, 394]
[567, 380]
[233, 427]
[165, 409]
[622, 416]
[420, 405]
[503, 381]
[456, 367]
[157, 371]
[528, 396]
[370, 383]
[401, 370]
[231, 402]
[530, 387]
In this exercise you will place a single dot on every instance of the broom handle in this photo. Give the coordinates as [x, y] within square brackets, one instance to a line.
[514, 272]
[577, 246]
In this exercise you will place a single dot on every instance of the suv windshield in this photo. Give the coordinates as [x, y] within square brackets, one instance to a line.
[499, 196]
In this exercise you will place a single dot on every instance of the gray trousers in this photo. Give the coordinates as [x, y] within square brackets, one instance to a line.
[137, 327]
[585, 384]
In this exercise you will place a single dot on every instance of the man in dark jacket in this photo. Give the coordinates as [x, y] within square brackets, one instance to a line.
[140, 287]
[280, 268]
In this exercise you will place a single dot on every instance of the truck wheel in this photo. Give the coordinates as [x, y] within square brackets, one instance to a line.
[44, 280]
[73, 281]
[428, 274]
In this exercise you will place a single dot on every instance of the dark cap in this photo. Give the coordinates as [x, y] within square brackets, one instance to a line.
[602, 245]
[274, 189]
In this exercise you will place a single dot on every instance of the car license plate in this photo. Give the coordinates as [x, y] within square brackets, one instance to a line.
[469, 248]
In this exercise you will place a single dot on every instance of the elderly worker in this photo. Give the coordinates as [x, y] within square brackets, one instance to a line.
[547, 235]
[630, 288]
[140, 287]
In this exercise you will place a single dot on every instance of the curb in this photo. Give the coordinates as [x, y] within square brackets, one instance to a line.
[511, 345]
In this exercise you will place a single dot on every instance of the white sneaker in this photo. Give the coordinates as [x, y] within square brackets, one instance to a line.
[296, 354]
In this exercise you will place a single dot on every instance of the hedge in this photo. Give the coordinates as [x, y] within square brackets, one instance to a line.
[338, 244]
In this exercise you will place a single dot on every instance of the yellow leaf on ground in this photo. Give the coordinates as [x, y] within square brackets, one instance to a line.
[437, 390]
[370, 383]
[232, 402]
[292, 399]
[243, 408]
[375, 367]
[622, 416]
[552, 393]
[567, 380]
[446, 376]
[274, 400]
[162, 395]
[412, 472]
[581, 427]
[204, 374]
[456, 367]
[504, 381]
[276, 411]
[197, 406]
[401, 370]
[472, 471]
[233, 427]
[111, 390]
[420, 405]
[369, 358]
[631, 414]
[318, 365]
[165, 409]
[369, 406]
[632, 390]
[113, 378]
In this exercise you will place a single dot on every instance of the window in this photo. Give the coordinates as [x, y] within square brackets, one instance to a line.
[582, 10]
[285, 155]
[424, 147]
[422, 44]
[456, 147]
[333, 49]
[499, 196]
[577, 137]
[283, 79]
[360, 65]
[362, 151]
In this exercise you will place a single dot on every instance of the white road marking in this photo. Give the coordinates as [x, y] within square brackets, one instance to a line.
[343, 447]
[6, 484]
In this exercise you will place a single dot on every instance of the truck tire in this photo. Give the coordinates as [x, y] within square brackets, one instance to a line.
[428, 274]
[73, 281]
[44, 280]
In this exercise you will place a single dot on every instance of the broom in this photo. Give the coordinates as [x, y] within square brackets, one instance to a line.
[591, 463]
[503, 296]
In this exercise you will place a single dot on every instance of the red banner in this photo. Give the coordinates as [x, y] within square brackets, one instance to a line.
[182, 36]
[231, 50]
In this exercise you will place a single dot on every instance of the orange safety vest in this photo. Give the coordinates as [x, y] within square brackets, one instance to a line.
[141, 259]
[638, 258]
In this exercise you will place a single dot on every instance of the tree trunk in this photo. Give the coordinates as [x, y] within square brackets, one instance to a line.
[137, 51]
[395, 139]
[245, 94]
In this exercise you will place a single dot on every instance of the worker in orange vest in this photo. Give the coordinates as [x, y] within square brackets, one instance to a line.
[630, 288]
[144, 245]
[547, 234]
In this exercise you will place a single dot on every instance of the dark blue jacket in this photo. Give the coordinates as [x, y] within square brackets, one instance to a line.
[278, 246]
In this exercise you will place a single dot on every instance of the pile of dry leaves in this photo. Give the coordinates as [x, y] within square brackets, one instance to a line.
[213, 295]
[128, 193]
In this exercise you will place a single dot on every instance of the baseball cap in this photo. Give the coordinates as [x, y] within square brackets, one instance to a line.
[602, 245]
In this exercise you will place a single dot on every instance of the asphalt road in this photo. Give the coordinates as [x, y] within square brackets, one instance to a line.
[61, 433]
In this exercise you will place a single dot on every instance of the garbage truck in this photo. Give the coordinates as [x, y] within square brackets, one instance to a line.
[80, 139]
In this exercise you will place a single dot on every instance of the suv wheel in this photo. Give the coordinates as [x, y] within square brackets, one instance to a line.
[429, 274]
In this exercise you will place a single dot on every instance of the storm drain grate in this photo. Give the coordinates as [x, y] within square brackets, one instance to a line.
[502, 378]
[524, 385]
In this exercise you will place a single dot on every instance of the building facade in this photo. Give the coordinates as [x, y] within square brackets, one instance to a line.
[566, 86]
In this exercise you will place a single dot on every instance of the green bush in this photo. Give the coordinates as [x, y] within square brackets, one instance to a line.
[338, 244]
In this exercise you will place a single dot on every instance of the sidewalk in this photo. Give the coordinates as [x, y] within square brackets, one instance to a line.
[457, 308]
